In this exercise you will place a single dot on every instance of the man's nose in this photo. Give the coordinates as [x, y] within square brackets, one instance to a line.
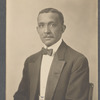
[47, 29]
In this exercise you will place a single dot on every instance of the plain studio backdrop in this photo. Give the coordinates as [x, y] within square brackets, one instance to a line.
[22, 38]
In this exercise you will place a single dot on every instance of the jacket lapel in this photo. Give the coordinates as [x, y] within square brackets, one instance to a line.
[34, 72]
[55, 72]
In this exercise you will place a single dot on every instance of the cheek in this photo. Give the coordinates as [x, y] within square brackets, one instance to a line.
[40, 33]
[57, 32]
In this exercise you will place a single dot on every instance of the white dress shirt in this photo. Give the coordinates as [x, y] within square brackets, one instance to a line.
[45, 68]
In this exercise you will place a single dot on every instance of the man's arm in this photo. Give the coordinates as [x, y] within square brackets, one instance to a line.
[78, 87]
[23, 90]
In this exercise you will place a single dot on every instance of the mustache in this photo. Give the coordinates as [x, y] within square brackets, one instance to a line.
[48, 36]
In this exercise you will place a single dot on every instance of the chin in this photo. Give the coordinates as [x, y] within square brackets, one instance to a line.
[48, 44]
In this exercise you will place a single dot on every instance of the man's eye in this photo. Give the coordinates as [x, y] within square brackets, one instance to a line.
[41, 25]
[53, 25]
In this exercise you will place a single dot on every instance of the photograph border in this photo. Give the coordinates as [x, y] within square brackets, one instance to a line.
[98, 49]
[3, 49]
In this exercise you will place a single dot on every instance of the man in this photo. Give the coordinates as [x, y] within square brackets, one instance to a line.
[57, 72]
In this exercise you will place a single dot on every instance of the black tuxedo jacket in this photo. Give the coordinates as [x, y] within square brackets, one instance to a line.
[68, 77]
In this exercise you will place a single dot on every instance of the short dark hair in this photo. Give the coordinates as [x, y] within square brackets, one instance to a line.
[53, 10]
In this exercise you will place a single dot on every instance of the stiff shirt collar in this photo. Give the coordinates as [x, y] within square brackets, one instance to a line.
[54, 46]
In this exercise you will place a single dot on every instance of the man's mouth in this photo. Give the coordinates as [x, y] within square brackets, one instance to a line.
[48, 36]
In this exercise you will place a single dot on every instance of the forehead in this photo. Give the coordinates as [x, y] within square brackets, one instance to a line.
[46, 17]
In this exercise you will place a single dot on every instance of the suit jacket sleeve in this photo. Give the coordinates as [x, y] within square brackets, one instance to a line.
[78, 87]
[23, 90]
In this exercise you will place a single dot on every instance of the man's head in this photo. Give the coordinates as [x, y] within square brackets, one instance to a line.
[50, 25]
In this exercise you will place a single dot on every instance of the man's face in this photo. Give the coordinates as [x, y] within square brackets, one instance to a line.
[50, 28]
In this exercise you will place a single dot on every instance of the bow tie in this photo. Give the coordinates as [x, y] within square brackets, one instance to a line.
[47, 51]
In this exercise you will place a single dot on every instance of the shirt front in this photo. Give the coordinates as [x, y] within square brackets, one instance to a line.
[45, 68]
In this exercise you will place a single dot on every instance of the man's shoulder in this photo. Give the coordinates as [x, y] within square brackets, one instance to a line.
[33, 57]
[72, 53]
[76, 58]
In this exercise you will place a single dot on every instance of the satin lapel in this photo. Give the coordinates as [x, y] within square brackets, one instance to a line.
[55, 71]
[53, 78]
[34, 71]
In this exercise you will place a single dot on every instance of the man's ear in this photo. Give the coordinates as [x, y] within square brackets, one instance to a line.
[63, 28]
[37, 29]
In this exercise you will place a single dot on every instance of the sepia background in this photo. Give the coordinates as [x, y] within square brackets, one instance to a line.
[22, 38]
